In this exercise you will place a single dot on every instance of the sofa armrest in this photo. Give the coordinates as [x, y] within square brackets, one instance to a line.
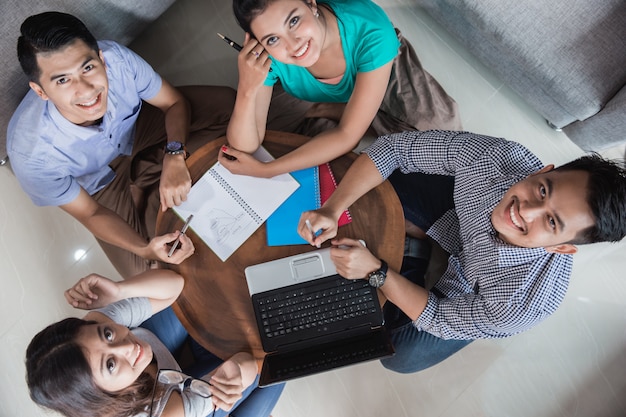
[605, 129]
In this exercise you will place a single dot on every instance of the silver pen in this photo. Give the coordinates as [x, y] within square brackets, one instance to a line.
[182, 232]
[310, 227]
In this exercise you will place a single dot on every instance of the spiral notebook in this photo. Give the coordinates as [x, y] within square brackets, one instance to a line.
[282, 225]
[316, 185]
[328, 184]
[229, 208]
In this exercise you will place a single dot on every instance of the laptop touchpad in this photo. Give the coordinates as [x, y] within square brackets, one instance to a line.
[307, 268]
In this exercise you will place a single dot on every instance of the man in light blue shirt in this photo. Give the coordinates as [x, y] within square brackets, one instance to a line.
[91, 135]
[511, 226]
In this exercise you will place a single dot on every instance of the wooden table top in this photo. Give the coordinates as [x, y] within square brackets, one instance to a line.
[215, 305]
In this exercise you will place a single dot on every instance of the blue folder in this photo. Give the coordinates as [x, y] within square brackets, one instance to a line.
[282, 225]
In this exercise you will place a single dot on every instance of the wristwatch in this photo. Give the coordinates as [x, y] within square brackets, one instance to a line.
[176, 148]
[377, 278]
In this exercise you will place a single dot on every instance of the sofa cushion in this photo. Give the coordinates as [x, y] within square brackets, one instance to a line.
[566, 58]
[119, 20]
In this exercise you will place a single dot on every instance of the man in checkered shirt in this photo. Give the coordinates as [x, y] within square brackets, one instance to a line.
[509, 224]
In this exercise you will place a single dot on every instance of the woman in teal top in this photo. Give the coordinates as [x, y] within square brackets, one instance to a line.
[342, 55]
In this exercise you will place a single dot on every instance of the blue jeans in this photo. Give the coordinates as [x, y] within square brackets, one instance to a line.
[255, 401]
[424, 199]
[417, 350]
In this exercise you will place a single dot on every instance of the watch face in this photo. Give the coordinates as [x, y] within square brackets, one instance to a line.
[174, 146]
[376, 279]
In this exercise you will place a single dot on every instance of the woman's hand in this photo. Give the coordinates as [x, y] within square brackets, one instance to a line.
[242, 163]
[253, 63]
[91, 292]
[231, 378]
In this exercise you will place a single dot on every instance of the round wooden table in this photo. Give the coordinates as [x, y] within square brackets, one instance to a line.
[215, 304]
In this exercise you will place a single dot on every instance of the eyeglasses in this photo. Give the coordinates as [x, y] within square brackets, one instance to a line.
[177, 380]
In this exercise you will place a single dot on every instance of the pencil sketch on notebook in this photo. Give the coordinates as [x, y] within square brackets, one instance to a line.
[229, 208]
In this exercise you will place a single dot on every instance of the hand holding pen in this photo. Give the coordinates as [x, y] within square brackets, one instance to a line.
[182, 232]
[253, 52]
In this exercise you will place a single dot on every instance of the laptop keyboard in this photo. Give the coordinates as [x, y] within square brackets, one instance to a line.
[311, 307]
[320, 358]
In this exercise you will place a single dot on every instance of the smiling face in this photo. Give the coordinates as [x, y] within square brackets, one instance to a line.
[116, 357]
[290, 32]
[546, 209]
[74, 79]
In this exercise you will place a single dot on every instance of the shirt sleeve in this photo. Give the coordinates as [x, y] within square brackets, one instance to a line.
[147, 81]
[438, 151]
[196, 405]
[517, 298]
[130, 312]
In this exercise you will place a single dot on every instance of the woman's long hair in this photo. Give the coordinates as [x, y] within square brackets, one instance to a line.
[59, 377]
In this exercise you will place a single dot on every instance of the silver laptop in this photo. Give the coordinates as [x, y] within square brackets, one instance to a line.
[311, 319]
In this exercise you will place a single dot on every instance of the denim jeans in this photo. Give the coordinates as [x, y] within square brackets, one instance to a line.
[417, 350]
[424, 199]
[255, 402]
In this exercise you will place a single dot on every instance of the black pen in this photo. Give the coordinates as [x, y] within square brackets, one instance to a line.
[234, 44]
[182, 232]
[230, 42]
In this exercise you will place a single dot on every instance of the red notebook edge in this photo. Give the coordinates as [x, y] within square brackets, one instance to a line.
[328, 184]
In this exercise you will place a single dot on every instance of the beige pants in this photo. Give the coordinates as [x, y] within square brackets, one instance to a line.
[134, 192]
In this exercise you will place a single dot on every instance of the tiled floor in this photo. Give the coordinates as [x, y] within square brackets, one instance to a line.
[571, 365]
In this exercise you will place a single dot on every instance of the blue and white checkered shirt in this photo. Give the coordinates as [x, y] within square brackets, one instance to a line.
[492, 289]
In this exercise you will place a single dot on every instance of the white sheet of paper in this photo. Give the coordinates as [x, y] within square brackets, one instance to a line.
[228, 208]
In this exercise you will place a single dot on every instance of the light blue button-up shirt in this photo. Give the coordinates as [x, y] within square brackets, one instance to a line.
[53, 157]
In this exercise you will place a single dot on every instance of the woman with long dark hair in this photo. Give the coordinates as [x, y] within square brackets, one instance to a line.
[346, 69]
[104, 365]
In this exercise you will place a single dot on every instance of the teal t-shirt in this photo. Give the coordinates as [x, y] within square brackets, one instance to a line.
[369, 41]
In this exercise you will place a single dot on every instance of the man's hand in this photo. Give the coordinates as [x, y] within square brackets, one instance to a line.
[91, 292]
[322, 219]
[352, 259]
[158, 248]
[175, 181]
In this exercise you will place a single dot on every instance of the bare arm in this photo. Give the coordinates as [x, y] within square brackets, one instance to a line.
[106, 225]
[228, 381]
[231, 378]
[361, 109]
[160, 286]
[361, 177]
[175, 179]
[246, 128]
[354, 261]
